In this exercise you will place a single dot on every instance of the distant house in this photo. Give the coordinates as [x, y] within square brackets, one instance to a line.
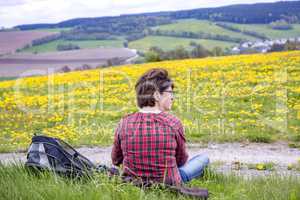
[235, 50]
[261, 46]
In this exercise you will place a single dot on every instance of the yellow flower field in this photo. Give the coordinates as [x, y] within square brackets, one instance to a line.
[234, 98]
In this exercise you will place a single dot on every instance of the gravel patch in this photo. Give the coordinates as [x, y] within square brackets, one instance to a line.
[223, 157]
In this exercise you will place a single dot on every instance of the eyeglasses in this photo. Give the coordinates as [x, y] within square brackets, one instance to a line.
[171, 92]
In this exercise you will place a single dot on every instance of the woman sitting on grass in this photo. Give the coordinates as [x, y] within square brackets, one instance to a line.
[151, 143]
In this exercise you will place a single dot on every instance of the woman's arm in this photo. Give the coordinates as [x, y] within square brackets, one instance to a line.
[181, 153]
[116, 153]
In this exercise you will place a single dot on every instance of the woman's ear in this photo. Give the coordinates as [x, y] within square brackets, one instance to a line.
[156, 96]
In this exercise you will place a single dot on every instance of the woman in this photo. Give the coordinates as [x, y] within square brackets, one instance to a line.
[151, 143]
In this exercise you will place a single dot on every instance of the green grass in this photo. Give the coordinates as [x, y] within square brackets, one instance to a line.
[205, 26]
[259, 137]
[170, 43]
[17, 183]
[51, 46]
[294, 166]
[269, 32]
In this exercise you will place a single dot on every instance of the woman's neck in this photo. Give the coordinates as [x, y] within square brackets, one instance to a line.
[149, 109]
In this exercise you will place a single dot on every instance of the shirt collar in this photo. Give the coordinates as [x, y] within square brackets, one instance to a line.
[146, 110]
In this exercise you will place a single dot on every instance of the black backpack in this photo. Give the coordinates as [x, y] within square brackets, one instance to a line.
[48, 153]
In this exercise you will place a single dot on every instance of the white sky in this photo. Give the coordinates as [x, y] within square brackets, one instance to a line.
[16, 12]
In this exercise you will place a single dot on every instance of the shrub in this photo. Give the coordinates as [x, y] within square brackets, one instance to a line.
[65, 47]
[259, 137]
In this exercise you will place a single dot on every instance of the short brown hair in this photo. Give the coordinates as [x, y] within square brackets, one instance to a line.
[156, 79]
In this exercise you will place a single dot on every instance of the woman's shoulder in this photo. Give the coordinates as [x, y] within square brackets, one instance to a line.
[171, 119]
[130, 116]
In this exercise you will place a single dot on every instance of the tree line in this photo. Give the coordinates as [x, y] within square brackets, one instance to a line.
[195, 35]
[155, 54]
[288, 46]
[238, 30]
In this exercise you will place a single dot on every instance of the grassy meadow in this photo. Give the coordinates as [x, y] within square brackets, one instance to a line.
[84, 44]
[204, 26]
[170, 43]
[17, 183]
[252, 98]
[268, 31]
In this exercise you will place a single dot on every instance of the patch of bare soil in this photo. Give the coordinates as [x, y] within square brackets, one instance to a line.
[12, 40]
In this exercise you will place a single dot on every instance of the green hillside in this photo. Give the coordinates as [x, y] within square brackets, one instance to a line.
[84, 44]
[268, 31]
[205, 26]
[169, 43]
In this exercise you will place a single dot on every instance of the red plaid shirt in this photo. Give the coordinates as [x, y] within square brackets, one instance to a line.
[150, 146]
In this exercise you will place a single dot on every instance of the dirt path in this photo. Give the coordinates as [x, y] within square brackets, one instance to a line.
[224, 157]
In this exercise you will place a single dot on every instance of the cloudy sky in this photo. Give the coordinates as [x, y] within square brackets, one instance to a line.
[15, 12]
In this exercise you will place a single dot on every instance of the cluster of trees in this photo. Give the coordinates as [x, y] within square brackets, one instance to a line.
[198, 51]
[246, 32]
[40, 41]
[135, 36]
[288, 46]
[66, 68]
[281, 25]
[78, 34]
[101, 28]
[198, 35]
[104, 28]
[123, 24]
[291, 19]
[45, 39]
[108, 28]
[261, 13]
[66, 47]
[110, 62]
[114, 61]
